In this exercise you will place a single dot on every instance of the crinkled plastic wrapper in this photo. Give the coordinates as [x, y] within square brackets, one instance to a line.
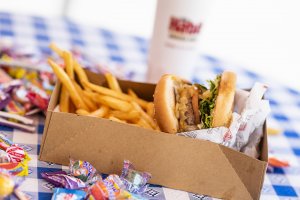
[246, 128]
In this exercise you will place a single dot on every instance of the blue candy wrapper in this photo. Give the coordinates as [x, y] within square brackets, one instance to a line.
[67, 194]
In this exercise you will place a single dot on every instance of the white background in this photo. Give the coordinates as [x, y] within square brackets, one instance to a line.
[263, 35]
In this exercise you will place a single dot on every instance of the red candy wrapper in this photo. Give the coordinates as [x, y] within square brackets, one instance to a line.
[38, 100]
[15, 153]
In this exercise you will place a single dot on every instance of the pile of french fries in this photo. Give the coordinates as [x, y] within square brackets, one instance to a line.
[85, 98]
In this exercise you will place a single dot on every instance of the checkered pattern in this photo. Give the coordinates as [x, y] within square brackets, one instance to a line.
[128, 54]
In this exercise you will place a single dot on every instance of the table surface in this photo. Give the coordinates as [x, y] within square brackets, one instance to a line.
[127, 55]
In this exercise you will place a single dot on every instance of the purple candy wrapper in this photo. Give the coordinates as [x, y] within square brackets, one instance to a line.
[134, 181]
[61, 179]
[4, 99]
[8, 87]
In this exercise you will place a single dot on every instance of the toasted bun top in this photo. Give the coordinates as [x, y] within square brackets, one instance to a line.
[222, 113]
[164, 104]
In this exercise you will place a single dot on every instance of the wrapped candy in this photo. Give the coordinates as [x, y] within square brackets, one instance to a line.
[110, 188]
[15, 153]
[134, 181]
[19, 95]
[15, 107]
[4, 157]
[4, 99]
[7, 183]
[16, 169]
[37, 96]
[9, 86]
[61, 179]
[13, 158]
[4, 142]
[65, 194]
[83, 170]
[37, 100]
[17, 121]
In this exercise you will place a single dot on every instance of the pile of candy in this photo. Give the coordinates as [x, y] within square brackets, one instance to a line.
[13, 162]
[26, 82]
[23, 92]
[84, 182]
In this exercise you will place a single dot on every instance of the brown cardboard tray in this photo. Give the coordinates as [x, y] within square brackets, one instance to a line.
[176, 162]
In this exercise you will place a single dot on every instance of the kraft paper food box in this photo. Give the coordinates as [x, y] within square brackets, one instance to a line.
[177, 162]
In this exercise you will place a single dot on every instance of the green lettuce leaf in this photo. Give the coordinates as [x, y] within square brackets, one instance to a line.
[206, 106]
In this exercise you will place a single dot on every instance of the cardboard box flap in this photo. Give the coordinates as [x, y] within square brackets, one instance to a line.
[248, 169]
[209, 170]
[264, 144]
[54, 97]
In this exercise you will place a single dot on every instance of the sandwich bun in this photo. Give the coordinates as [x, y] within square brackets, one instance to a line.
[164, 104]
[222, 113]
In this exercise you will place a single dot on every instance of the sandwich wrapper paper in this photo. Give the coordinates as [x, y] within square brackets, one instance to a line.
[245, 131]
[183, 163]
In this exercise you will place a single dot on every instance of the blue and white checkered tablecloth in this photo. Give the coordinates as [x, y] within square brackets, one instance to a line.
[128, 53]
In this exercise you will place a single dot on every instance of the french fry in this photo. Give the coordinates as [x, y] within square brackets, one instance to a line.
[132, 116]
[101, 112]
[144, 115]
[89, 103]
[114, 103]
[56, 49]
[63, 77]
[92, 96]
[82, 112]
[81, 74]
[64, 100]
[65, 97]
[69, 64]
[116, 119]
[132, 93]
[108, 92]
[113, 82]
[144, 124]
[150, 109]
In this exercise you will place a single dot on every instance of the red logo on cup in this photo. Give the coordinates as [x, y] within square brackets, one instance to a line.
[183, 29]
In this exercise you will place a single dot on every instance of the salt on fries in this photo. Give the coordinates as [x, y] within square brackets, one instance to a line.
[93, 100]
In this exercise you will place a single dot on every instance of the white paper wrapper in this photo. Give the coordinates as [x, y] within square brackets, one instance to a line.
[245, 131]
